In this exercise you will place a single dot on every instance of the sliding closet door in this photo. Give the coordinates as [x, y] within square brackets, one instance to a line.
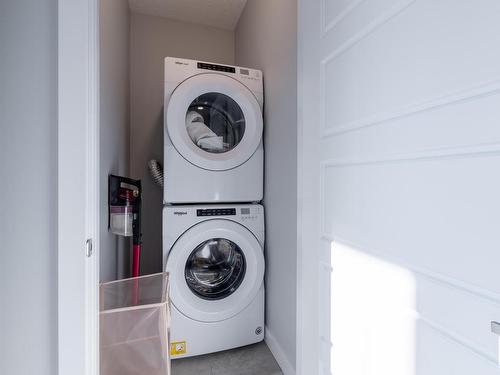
[399, 186]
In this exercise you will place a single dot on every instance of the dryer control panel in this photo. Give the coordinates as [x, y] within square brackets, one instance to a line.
[178, 70]
[216, 67]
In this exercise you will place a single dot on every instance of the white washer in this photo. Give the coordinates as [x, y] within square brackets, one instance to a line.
[215, 258]
[212, 133]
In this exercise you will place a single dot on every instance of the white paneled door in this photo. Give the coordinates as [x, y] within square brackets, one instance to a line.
[399, 176]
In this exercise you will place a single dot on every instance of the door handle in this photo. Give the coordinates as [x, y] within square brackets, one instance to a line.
[88, 248]
[495, 327]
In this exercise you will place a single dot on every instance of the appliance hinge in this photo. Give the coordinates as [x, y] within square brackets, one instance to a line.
[88, 248]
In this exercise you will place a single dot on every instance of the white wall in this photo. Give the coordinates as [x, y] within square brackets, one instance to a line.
[114, 126]
[265, 38]
[152, 39]
[28, 167]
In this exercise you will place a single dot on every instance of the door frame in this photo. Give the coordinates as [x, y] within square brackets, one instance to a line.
[78, 150]
[307, 328]
[78, 187]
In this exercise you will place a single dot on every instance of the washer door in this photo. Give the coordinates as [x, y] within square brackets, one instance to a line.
[216, 269]
[214, 121]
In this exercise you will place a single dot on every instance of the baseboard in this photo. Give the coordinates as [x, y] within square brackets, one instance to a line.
[278, 353]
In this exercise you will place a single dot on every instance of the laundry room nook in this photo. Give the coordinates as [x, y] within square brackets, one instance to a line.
[250, 187]
[198, 185]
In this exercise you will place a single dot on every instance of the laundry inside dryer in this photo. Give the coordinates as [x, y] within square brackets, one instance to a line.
[215, 122]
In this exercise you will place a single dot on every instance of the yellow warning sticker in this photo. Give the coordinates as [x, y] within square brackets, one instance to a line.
[178, 348]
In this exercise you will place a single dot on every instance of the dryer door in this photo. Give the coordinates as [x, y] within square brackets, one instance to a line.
[214, 121]
[216, 269]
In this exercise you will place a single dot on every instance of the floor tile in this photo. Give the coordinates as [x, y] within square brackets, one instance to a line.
[192, 366]
[249, 360]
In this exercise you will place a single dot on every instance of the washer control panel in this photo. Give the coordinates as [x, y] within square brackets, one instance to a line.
[245, 213]
[216, 212]
[176, 219]
[249, 214]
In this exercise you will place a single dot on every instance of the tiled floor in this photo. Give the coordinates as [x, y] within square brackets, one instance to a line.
[249, 360]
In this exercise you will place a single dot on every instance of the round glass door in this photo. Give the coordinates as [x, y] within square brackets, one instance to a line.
[215, 122]
[215, 269]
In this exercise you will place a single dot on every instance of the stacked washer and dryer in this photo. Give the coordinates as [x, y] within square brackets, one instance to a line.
[213, 224]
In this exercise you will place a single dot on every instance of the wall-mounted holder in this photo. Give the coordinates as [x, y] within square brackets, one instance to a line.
[124, 213]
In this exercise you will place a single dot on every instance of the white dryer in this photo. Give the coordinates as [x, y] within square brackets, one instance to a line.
[212, 133]
[215, 258]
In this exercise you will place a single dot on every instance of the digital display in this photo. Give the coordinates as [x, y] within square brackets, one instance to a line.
[244, 72]
[218, 68]
[216, 212]
[245, 211]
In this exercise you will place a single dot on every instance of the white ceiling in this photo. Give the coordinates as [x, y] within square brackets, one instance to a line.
[223, 14]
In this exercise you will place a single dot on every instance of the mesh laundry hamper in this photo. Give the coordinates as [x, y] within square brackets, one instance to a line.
[134, 326]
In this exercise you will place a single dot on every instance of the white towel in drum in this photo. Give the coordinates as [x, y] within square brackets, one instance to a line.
[201, 134]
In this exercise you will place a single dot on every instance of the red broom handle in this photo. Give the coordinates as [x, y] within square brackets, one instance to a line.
[136, 260]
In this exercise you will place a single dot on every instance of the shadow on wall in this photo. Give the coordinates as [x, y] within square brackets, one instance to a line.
[151, 260]
[387, 319]
[372, 314]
